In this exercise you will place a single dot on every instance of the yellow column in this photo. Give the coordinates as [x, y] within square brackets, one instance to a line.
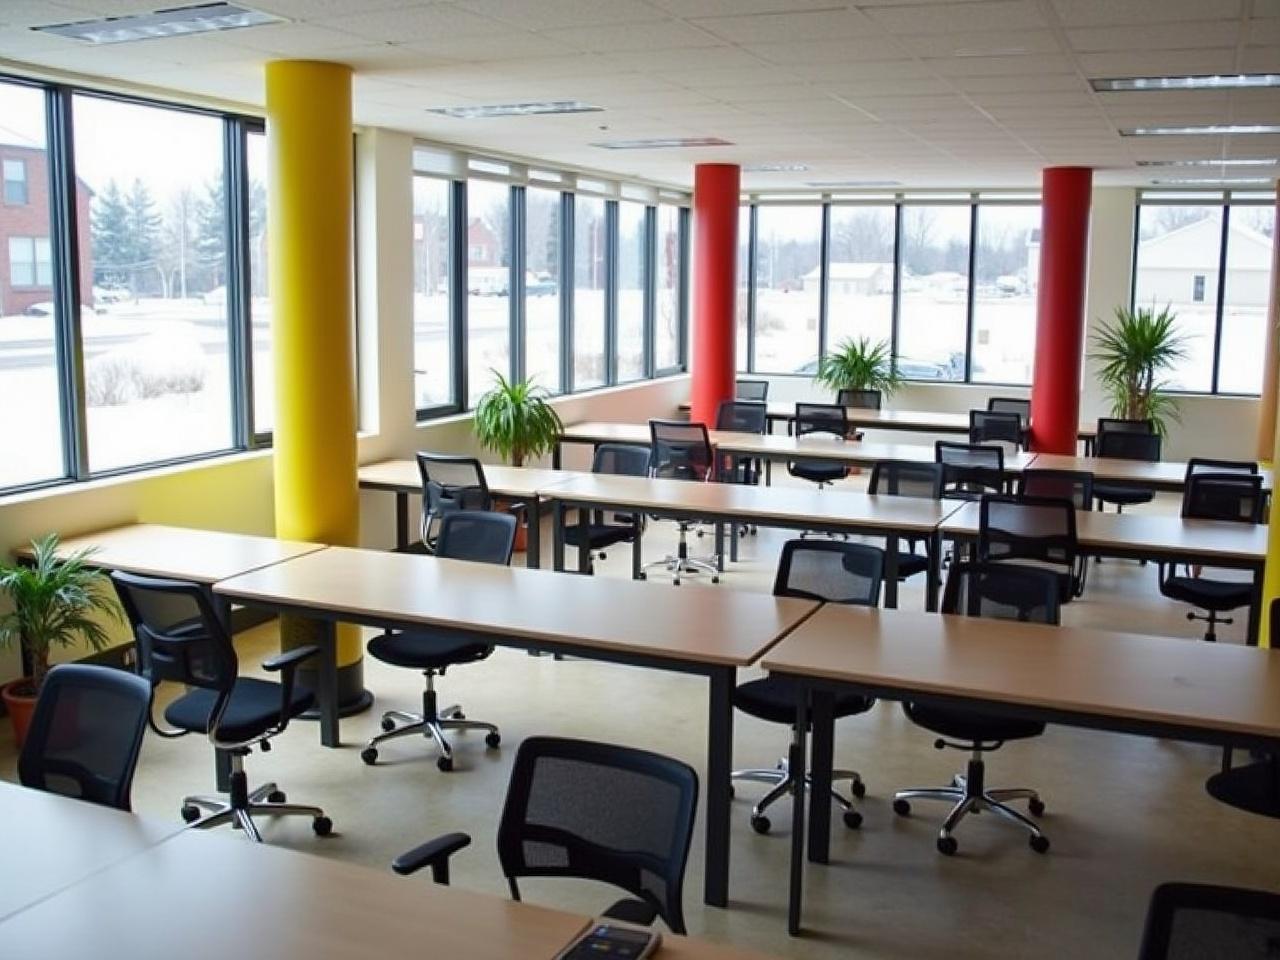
[1269, 434]
[309, 217]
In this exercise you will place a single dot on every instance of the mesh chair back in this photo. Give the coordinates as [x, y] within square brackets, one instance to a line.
[752, 390]
[482, 536]
[742, 416]
[986, 426]
[1196, 920]
[1038, 529]
[1129, 446]
[452, 483]
[830, 570]
[821, 418]
[621, 459]
[1207, 465]
[1011, 405]
[86, 733]
[1223, 496]
[906, 478]
[681, 450]
[968, 467]
[860, 399]
[1073, 485]
[1121, 425]
[600, 812]
[1002, 591]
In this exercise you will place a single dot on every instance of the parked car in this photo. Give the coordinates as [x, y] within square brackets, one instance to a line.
[105, 295]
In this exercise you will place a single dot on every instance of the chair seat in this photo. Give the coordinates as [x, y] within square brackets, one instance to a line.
[632, 910]
[969, 725]
[817, 471]
[774, 699]
[599, 535]
[254, 709]
[909, 564]
[1208, 594]
[1122, 493]
[427, 651]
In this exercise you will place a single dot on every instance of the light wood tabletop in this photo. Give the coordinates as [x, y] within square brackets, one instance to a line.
[51, 842]
[1162, 474]
[704, 625]
[777, 447]
[204, 556]
[402, 476]
[638, 433]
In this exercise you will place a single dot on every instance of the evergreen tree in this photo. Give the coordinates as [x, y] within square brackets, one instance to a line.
[109, 233]
[144, 223]
[211, 233]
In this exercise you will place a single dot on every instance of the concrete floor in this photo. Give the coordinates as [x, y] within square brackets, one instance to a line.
[1124, 813]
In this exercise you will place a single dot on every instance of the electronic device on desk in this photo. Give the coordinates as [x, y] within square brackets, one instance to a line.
[613, 943]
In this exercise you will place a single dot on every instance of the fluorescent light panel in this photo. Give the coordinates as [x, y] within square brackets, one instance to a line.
[1236, 81]
[663, 142]
[174, 22]
[491, 110]
[1211, 181]
[775, 168]
[1209, 130]
[1225, 162]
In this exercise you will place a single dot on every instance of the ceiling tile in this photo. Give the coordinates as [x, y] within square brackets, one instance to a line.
[424, 22]
[658, 35]
[1168, 36]
[802, 52]
[1014, 42]
[996, 16]
[1155, 63]
[548, 14]
[797, 25]
[1091, 13]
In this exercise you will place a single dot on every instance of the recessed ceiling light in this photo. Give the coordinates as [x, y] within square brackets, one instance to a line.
[970, 52]
[491, 110]
[1225, 162]
[174, 22]
[663, 142]
[1209, 130]
[1212, 181]
[1235, 81]
[857, 184]
[775, 168]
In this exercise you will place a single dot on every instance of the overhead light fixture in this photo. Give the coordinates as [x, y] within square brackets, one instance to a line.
[983, 52]
[491, 110]
[1208, 130]
[1235, 81]
[1212, 182]
[1225, 162]
[853, 184]
[174, 22]
[775, 168]
[662, 142]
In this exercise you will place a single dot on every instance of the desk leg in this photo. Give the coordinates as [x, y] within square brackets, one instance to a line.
[533, 541]
[768, 473]
[557, 536]
[720, 546]
[796, 764]
[933, 574]
[719, 766]
[584, 546]
[891, 573]
[637, 550]
[402, 520]
[555, 456]
[222, 759]
[327, 680]
[821, 703]
[733, 542]
[1255, 609]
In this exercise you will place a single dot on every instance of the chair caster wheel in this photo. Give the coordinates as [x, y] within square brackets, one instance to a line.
[902, 808]
[1036, 806]
[444, 764]
[760, 824]
[858, 789]
[715, 579]
[675, 582]
[947, 846]
[369, 755]
[1039, 844]
[852, 819]
[322, 826]
[492, 740]
[459, 715]
[276, 796]
[388, 724]
[642, 575]
[190, 813]
[732, 792]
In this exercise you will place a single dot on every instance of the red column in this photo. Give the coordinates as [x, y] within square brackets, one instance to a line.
[715, 287]
[1064, 251]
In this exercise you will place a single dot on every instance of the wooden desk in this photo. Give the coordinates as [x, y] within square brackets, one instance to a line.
[521, 484]
[850, 452]
[597, 432]
[785, 507]
[1167, 475]
[1162, 538]
[51, 842]
[1153, 686]
[701, 631]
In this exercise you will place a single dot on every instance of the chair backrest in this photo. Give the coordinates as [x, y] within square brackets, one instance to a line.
[751, 390]
[1128, 446]
[1194, 920]
[621, 459]
[86, 733]
[1073, 485]
[1208, 465]
[1223, 496]
[830, 570]
[1039, 529]
[969, 466]
[821, 418]
[1011, 405]
[860, 399]
[742, 416]
[1002, 591]
[986, 426]
[680, 450]
[1121, 425]
[622, 816]
[483, 536]
[906, 478]
[450, 483]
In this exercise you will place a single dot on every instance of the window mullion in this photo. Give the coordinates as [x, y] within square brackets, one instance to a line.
[969, 293]
[239, 333]
[1221, 298]
[611, 245]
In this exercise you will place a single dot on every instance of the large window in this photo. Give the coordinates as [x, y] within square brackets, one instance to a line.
[787, 288]
[262, 354]
[743, 345]
[488, 285]
[860, 275]
[632, 257]
[30, 262]
[668, 329]
[1006, 272]
[542, 258]
[589, 262]
[933, 316]
[433, 376]
[1245, 292]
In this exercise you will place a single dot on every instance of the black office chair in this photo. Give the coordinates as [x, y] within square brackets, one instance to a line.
[1123, 425]
[907, 478]
[603, 530]
[1125, 445]
[819, 418]
[833, 572]
[1037, 531]
[861, 399]
[449, 483]
[480, 536]
[1073, 485]
[986, 426]
[1011, 405]
[1234, 497]
[751, 390]
[1200, 921]
[86, 733]
[1004, 591]
[970, 470]
[590, 811]
[1209, 465]
[181, 639]
[740, 416]
[681, 451]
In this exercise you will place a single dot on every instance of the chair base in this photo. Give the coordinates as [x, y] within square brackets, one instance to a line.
[678, 563]
[431, 724]
[1211, 621]
[968, 795]
[241, 806]
[783, 784]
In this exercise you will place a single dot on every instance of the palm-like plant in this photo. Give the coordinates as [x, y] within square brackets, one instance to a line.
[55, 603]
[1133, 352]
[516, 421]
[859, 365]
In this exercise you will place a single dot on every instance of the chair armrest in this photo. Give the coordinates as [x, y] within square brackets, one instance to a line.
[289, 660]
[434, 854]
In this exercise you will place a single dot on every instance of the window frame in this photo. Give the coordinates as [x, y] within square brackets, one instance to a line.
[24, 182]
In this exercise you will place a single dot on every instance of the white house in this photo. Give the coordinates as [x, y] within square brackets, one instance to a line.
[1181, 266]
[853, 279]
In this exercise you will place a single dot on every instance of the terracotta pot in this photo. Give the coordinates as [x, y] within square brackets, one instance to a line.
[20, 703]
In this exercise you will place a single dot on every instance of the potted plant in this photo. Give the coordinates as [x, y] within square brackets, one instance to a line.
[56, 602]
[1133, 352]
[517, 422]
[859, 365]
